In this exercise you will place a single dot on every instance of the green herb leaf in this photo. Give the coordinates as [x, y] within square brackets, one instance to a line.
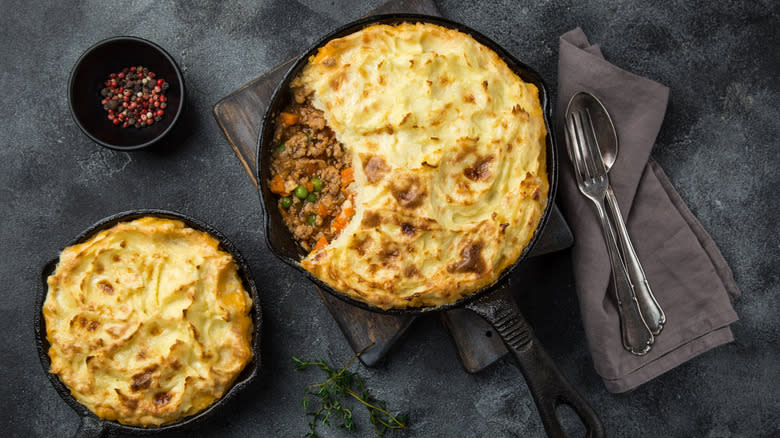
[333, 393]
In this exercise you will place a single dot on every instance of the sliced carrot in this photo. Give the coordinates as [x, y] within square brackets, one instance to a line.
[349, 212]
[347, 176]
[309, 186]
[322, 243]
[277, 184]
[289, 118]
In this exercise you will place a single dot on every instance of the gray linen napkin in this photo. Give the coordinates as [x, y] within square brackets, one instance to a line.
[684, 267]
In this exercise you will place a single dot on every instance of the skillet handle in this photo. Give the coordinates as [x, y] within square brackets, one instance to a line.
[548, 386]
[91, 427]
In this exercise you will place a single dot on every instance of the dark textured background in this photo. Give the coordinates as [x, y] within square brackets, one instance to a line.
[718, 144]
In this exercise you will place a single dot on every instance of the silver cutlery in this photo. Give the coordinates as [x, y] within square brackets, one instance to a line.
[592, 181]
[598, 124]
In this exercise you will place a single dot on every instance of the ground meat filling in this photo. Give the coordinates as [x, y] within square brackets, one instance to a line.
[311, 172]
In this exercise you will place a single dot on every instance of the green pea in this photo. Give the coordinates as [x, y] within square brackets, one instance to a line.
[285, 202]
[310, 219]
[317, 183]
[301, 192]
[280, 148]
[312, 197]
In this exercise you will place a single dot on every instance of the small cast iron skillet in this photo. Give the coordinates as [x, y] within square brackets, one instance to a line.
[91, 425]
[494, 303]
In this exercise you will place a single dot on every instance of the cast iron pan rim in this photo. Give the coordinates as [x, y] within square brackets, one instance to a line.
[524, 71]
[106, 41]
[246, 376]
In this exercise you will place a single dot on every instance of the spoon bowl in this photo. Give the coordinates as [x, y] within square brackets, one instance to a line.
[603, 127]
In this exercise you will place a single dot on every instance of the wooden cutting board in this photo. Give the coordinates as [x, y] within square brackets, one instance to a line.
[239, 116]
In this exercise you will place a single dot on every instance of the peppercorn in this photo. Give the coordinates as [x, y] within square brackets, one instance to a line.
[135, 93]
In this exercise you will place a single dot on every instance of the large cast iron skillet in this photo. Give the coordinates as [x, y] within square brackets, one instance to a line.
[494, 303]
[91, 425]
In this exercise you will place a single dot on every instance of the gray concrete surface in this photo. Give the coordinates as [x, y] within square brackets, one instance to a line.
[718, 144]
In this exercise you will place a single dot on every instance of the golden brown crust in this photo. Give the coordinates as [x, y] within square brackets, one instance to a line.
[148, 321]
[448, 147]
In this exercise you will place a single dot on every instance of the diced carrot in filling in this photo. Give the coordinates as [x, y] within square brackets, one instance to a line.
[288, 118]
[322, 210]
[321, 243]
[339, 223]
[277, 184]
[347, 176]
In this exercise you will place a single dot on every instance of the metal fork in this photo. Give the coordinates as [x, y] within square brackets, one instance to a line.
[592, 181]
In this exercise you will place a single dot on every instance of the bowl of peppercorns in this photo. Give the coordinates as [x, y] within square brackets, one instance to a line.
[126, 93]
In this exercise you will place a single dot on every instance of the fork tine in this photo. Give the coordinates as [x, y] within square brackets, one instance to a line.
[594, 155]
[590, 130]
[582, 142]
[568, 142]
[575, 150]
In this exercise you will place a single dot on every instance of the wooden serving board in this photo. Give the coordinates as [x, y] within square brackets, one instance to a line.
[239, 116]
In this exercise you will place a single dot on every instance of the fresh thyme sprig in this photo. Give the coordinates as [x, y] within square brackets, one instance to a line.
[333, 393]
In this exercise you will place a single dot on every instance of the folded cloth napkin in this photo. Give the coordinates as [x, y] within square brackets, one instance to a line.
[686, 271]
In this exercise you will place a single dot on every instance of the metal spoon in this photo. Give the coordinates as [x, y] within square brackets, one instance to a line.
[603, 131]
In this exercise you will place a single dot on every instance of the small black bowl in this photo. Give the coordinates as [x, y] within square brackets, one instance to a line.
[93, 69]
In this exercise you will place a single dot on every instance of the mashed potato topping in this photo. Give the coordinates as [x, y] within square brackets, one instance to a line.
[448, 152]
[148, 321]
